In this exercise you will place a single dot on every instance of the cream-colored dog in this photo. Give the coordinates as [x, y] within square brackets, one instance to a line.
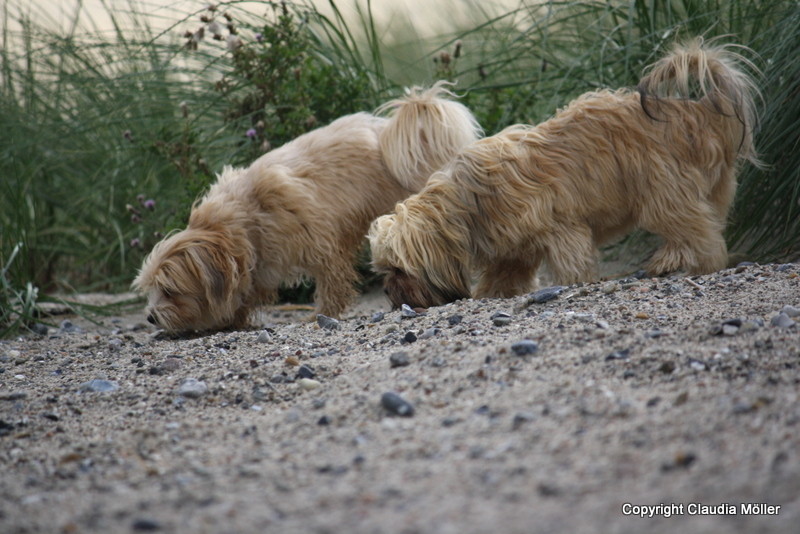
[611, 161]
[299, 211]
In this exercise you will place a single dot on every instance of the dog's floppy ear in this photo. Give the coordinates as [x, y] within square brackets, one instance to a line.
[222, 262]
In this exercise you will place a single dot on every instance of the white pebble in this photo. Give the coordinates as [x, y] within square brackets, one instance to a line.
[308, 384]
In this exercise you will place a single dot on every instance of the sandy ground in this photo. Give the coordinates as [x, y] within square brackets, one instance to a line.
[633, 394]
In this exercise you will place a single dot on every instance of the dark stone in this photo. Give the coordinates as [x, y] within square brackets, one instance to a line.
[396, 405]
[525, 347]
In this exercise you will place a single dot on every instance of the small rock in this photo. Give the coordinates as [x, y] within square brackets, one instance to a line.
[697, 365]
[609, 288]
[729, 329]
[782, 320]
[584, 317]
[305, 371]
[791, 311]
[99, 386]
[145, 525]
[428, 333]
[309, 384]
[407, 312]
[69, 328]
[266, 337]
[396, 405]
[501, 318]
[377, 317]
[410, 337]
[642, 315]
[750, 326]
[682, 460]
[191, 388]
[114, 344]
[454, 320]
[14, 395]
[524, 347]
[667, 367]
[327, 323]
[521, 418]
[399, 359]
[623, 354]
[39, 329]
[544, 295]
[325, 420]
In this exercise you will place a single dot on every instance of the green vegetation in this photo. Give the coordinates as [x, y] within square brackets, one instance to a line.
[108, 136]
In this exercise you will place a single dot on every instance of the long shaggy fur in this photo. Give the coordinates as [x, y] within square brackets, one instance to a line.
[299, 211]
[663, 158]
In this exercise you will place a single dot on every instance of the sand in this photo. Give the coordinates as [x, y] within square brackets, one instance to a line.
[633, 399]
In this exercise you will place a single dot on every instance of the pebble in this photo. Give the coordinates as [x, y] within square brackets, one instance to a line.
[192, 388]
[428, 333]
[145, 525]
[99, 386]
[39, 329]
[782, 320]
[305, 371]
[396, 405]
[377, 317]
[399, 359]
[68, 327]
[407, 311]
[546, 294]
[729, 329]
[265, 337]
[328, 323]
[454, 320]
[610, 287]
[521, 418]
[524, 347]
[697, 365]
[623, 354]
[410, 337]
[309, 384]
[501, 318]
[791, 311]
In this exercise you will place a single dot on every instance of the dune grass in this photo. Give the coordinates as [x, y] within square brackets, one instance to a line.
[108, 135]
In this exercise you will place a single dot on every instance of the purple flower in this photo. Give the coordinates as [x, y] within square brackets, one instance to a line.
[251, 133]
[259, 37]
[149, 204]
[135, 243]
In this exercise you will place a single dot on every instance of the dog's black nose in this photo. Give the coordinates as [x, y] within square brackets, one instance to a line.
[151, 319]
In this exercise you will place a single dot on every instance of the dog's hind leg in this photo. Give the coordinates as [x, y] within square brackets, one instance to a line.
[508, 277]
[693, 239]
[571, 253]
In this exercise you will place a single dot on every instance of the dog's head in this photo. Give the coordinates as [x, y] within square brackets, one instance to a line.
[407, 262]
[196, 280]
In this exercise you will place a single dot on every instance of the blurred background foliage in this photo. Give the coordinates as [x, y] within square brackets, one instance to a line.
[108, 135]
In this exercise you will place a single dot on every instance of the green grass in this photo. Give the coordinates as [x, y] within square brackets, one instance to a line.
[97, 122]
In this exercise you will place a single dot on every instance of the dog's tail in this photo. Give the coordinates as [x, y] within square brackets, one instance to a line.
[425, 131]
[715, 75]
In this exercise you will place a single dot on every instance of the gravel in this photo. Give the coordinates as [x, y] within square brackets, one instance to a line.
[645, 391]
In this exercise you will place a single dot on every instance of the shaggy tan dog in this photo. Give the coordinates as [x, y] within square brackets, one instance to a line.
[611, 161]
[299, 211]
